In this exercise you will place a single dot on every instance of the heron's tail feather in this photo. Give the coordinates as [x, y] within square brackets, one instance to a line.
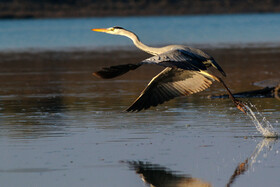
[114, 71]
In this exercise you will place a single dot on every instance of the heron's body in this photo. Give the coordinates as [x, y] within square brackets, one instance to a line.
[185, 73]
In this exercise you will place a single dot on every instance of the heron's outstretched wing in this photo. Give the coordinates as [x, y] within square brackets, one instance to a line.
[170, 83]
[183, 59]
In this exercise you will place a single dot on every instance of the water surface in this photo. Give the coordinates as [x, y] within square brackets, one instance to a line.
[213, 30]
[62, 127]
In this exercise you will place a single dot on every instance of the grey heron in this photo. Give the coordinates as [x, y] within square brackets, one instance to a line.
[185, 72]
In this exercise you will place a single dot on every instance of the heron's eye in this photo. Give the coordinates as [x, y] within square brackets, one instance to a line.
[112, 29]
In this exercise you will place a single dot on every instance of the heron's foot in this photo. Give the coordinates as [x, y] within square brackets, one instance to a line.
[240, 105]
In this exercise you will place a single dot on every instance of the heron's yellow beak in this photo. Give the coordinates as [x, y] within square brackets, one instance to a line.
[100, 30]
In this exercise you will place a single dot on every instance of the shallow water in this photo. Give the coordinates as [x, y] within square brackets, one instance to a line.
[62, 127]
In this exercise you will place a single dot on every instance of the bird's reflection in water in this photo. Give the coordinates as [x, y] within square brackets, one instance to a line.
[265, 145]
[159, 176]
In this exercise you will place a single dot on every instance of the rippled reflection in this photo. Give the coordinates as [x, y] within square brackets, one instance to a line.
[159, 176]
[265, 145]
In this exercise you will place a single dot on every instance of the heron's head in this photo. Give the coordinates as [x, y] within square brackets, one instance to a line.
[111, 30]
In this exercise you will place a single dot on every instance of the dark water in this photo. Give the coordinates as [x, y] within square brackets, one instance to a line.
[60, 126]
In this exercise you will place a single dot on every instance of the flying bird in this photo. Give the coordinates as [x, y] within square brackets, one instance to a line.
[185, 72]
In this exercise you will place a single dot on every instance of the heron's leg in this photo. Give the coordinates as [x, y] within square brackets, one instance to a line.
[239, 104]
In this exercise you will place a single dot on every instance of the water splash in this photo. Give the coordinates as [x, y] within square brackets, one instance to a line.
[263, 126]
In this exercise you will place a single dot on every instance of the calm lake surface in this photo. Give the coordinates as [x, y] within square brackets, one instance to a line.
[217, 30]
[60, 126]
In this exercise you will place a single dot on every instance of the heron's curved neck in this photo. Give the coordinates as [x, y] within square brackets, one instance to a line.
[140, 45]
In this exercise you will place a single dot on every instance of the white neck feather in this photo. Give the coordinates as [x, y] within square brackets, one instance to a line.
[140, 45]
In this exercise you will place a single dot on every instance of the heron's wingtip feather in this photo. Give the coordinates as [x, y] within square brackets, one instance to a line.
[114, 71]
